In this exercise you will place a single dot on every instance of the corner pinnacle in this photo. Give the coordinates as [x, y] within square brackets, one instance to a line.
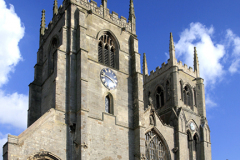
[131, 11]
[145, 67]
[55, 7]
[196, 63]
[172, 49]
[42, 29]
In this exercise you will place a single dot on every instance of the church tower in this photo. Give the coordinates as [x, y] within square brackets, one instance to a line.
[90, 101]
[174, 94]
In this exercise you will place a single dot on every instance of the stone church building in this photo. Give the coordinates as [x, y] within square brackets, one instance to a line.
[89, 99]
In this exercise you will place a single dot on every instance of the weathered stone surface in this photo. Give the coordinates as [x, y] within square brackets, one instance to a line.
[67, 111]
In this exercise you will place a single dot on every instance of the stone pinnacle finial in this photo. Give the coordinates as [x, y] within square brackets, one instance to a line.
[145, 67]
[55, 7]
[42, 30]
[172, 49]
[131, 11]
[104, 3]
[196, 63]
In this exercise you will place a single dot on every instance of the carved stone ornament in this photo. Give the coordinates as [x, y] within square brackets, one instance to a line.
[143, 157]
[43, 155]
[84, 145]
[175, 149]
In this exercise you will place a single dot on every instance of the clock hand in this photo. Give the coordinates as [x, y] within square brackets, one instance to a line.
[110, 78]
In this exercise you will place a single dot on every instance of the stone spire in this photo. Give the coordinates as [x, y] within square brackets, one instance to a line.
[104, 3]
[42, 29]
[172, 50]
[196, 63]
[132, 17]
[131, 11]
[55, 7]
[145, 67]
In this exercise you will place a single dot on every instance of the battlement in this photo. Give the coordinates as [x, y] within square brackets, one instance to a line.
[104, 13]
[158, 71]
[54, 21]
[92, 8]
[186, 69]
[165, 67]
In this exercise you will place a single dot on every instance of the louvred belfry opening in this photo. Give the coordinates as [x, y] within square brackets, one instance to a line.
[107, 50]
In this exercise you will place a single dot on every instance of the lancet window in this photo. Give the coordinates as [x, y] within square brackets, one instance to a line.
[109, 104]
[155, 150]
[107, 50]
[159, 98]
[187, 95]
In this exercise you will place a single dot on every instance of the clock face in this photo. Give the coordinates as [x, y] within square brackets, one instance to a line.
[192, 126]
[108, 78]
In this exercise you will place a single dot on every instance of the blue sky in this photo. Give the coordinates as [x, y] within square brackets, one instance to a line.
[211, 26]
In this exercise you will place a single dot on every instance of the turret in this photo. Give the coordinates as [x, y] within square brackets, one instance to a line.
[132, 17]
[55, 7]
[145, 67]
[172, 51]
[196, 63]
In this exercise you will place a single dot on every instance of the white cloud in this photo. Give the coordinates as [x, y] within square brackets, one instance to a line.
[13, 109]
[11, 32]
[209, 102]
[209, 53]
[234, 42]
[13, 106]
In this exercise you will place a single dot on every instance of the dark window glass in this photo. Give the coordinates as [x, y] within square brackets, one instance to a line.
[159, 98]
[100, 53]
[106, 55]
[112, 58]
[107, 104]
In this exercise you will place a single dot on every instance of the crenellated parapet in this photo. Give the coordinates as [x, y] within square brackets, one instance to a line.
[165, 66]
[91, 8]
[52, 23]
[104, 13]
[186, 69]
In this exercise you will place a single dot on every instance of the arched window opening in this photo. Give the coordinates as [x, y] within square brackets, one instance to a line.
[54, 42]
[195, 148]
[44, 155]
[52, 48]
[107, 104]
[187, 96]
[106, 55]
[189, 145]
[100, 54]
[168, 90]
[107, 50]
[181, 89]
[155, 150]
[159, 98]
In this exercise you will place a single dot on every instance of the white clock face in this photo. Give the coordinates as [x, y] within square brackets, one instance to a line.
[108, 78]
[192, 126]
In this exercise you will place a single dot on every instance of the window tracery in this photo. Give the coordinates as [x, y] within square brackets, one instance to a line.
[107, 50]
[187, 96]
[155, 150]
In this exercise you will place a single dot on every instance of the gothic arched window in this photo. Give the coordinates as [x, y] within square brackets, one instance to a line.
[109, 104]
[52, 48]
[168, 90]
[159, 98]
[100, 54]
[107, 50]
[154, 148]
[187, 96]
